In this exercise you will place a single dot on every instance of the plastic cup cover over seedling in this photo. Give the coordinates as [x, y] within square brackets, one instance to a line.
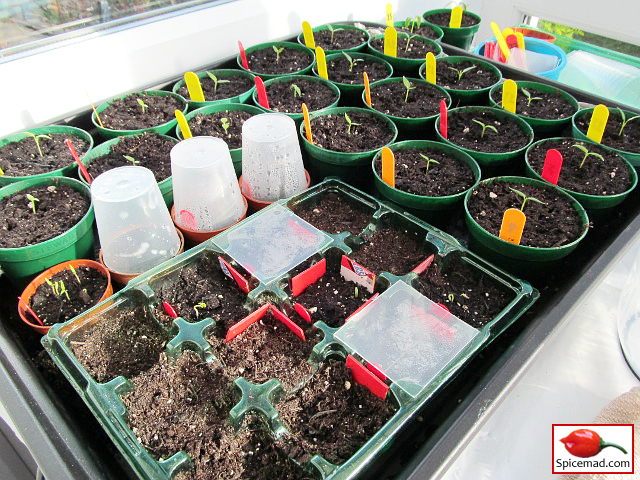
[135, 228]
[205, 189]
[406, 335]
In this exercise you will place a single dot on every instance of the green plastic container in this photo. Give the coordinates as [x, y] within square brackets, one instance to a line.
[336, 26]
[433, 27]
[460, 37]
[222, 74]
[404, 66]
[21, 264]
[161, 129]
[539, 125]
[295, 46]
[486, 159]
[60, 172]
[466, 97]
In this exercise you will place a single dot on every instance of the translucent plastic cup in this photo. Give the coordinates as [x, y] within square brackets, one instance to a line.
[206, 193]
[135, 228]
[272, 165]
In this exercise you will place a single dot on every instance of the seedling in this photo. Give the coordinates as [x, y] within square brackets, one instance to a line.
[333, 30]
[525, 198]
[32, 202]
[75, 274]
[351, 61]
[278, 52]
[586, 153]
[450, 297]
[58, 288]
[216, 81]
[296, 90]
[129, 158]
[527, 94]
[409, 38]
[199, 305]
[36, 138]
[412, 23]
[143, 105]
[225, 124]
[625, 121]
[349, 123]
[355, 292]
[407, 85]
[429, 162]
[463, 71]
[484, 127]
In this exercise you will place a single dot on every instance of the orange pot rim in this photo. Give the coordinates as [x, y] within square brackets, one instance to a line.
[190, 234]
[260, 204]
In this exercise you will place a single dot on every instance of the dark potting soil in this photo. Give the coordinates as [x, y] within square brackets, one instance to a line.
[22, 158]
[332, 416]
[340, 70]
[391, 250]
[82, 291]
[550, 224]
[57, 209]
[409, 46]
[442, 19]
[148, 150]
[447, 177]
[464, 132]
[542, 105]
[423, 30]
[334, 213]
[228, 87]
[341, 39]
[119, 343]
[476, 78]
[290, 60]
[332, 132]
[127, 114]
[596, 177]
[628, 140]
[391, 98]
[469, 294]
[283, 97]
[211, 124]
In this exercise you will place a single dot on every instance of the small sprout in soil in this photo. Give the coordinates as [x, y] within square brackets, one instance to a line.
[75, 274]
[484, 127]
[525, 198]
[216, 81]
[296, 90]
[429, 162]
[586, 153]
[462, 72]
[409, 38]
[624, 120]
[355, 292]
[450, 297]
[225, 124]
[333, 30]
[278, 52]
[32, 202]
[199, 305]
[407, 85]
[129, 158]
[527, 94]
[349, 123]
[143, 105]
[36, 138]
[351, 61]
[412, 23]
[59, 288]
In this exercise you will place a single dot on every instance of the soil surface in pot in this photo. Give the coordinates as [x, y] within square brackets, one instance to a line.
[448, 176]
[22, 158]
[550, 224]
[391, 250]
[470, 295]
[82, 292]
[340, 70]
[442, 19]
[342, 38]
[365, 133]
[57, 209]
[290, 60]
[212, 124]
[148, 150]
[332, 415]
[628, 141]
[411, 47]
[283, 96]
[543, 105]
[228, 87]
[334, 213]
[423, 31]
[595, 177]
[128, 114]
[448, 75]
[465, 132]
[391, 99]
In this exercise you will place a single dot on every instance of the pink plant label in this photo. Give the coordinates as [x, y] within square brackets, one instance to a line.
[188, 220]
[354, 272]
[552, 166]
[243, 55]
[262, 93]
[300, 282]
[443, 119]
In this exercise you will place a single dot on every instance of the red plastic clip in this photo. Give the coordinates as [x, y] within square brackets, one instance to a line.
[169, 310]
[420, 269]
[303, 312]
[300, 282]
[262, 93]
[289, 323]
[232, 273]
[246, 322]
[367, 378]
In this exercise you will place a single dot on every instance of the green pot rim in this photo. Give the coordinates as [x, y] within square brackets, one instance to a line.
[460, 58]
[221, 73]
[343, 26]
[346, 87]
[432, 26]
[295, 46]
[449, 30]
[403, 63]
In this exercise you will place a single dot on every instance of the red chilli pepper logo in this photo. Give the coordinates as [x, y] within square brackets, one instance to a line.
[585, 443]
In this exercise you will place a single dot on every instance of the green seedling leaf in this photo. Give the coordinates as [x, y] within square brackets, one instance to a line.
[355, 292]
[349, 123]
[351, 61]
[278, 52]
[527, 94]
[408, 87]
[525, 199]
[143, 105]
[199, 305]
[333, 30]
[129, 158]
[216, 81]
[484, 127]
[296, 90]
[225, 124]
[36, 138]
[75, 274]
[409, 38]
[450, 297]
[587, 153]
[32, 202]
[463, 71]
[429, 162]
[624, 120]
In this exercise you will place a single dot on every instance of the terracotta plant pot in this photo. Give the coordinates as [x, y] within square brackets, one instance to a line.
[255, 204]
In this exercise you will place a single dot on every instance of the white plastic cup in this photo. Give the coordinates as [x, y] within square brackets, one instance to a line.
[134, 226]
[206, 193]
[272, 165]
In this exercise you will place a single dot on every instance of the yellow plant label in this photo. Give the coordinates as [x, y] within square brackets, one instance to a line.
[598, 123]
[307, 122]
[512, 225]
[520, 40]
[389, 15]
[509, 95]
[391, 42]
[501, 42]
[507, 31]
[456, 17]
[367, 88]
[322, 63]
[308, 35]
[430, 69]
[184, 126]
[194, 87]
[388, 167]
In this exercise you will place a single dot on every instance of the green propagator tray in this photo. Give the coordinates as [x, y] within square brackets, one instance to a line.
[251, 254]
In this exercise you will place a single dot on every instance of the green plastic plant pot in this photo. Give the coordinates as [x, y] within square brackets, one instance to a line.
[166, 185]
[539, 125]
[236, 153]
[22, 263]
[161, 129]
[358, 48]
[424, 206]
[466, 97]
[60, 172]
[404, 66]
[222, 73]
[297, 117]
[632, 157]
[437, 29]
[295, 46]
[459, 37]
[594, 204]
[487, 159]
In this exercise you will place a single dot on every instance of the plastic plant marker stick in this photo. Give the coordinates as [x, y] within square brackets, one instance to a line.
[74, 154]
[239, 327]
[188, 220]
[443, 307]
[307, 122]
[509, 95]
[289, 323]
[194, 87]
[231, 272]
[552, 166]
[362, 306]
[376, 370]
[388, 167]
[523, 54]
[456, 17]
[443, 119]
[93, 107]
[507, 31]
[512, 41]
[520, 39]
[184, 125]
[512, 225]
[598, 123]
[431, 68]
[367, 378]
[301, 281]
[322, 63]
[307, 33]
[389, 15]
[503, 45]
[391, 42]
[169, 310]
[1, 172]
[262, 93]
[303, 312]
[243, 55]
[367, 88]
[30, 311]
[420, 269]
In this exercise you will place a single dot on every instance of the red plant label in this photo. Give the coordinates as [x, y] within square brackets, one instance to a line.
[552, 166]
